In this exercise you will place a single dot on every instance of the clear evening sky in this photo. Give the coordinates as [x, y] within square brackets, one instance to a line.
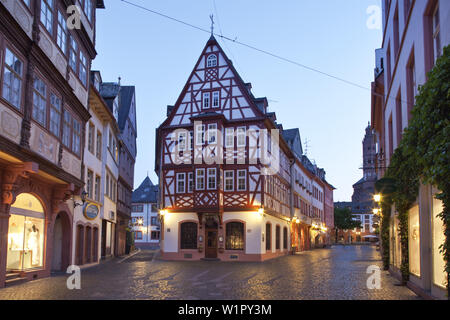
[157, 55]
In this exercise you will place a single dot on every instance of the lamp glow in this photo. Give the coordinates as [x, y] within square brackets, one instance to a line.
[375, 211]
[261, 211]
[377, 197]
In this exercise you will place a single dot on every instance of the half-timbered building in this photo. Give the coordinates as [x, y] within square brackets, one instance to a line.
[225, 171]
[44, 87]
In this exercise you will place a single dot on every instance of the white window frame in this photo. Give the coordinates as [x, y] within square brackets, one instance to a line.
[181, 140]
[199, 173]
[206, 100]
[231, 178]
[181, 177]
[437, 45]
[190, 186]
[239, 178]
[211, 174]
[241, 132]
[215, 99]
[211, 61]
[191, 140]
[229, 133]
[200, 135]
[212, 132]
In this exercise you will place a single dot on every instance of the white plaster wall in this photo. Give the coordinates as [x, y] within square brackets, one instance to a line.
[414, 39]
[253, 229]
[171, 220]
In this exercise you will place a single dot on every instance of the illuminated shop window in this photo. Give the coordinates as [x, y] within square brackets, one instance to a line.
[26, 234]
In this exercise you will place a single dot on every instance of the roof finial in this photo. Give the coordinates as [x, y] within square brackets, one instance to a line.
[211, 16]
[119, 80]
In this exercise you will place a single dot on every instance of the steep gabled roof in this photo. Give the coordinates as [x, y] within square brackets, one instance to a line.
[126, 96]
[147, 192]
[248, 96]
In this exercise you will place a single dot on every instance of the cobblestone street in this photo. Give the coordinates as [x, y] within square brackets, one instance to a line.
[333, 273]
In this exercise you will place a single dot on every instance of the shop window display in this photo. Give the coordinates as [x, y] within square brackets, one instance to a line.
[414, 241]
[26, 234]
[439, 276]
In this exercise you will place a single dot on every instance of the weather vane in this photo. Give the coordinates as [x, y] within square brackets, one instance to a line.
[212, 23]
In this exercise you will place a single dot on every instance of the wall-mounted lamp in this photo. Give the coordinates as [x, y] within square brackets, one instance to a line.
[375, 211]
[377, 197]
[261, 211]
[83, 199]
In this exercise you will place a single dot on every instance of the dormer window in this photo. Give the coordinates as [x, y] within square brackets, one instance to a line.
[211, 61]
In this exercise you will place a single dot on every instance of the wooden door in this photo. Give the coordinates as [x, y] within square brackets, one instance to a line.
[211, 243]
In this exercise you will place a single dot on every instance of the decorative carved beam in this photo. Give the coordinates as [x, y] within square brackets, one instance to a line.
[10, 176]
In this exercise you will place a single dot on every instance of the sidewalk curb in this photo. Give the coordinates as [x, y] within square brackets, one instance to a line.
[129, 256]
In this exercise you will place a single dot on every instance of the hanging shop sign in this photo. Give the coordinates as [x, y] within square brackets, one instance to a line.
[91, 211]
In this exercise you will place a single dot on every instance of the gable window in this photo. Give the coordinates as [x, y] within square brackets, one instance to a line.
[215, 99]
[190, 182]
[212, 178]
[241, 137]
[241, 180]
[61, 35]
[229, 180]
[200, 179]
[181, 180]
[12, 79]
[200, 135]
[55, 114]
[211, 61]
[234, 236]
[212, 133]
[47, 14]
[188, 235]
[229, 137]
[39, 101]
[206, 100]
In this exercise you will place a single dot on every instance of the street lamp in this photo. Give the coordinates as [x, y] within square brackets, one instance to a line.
[375, 211]
[377, 197]
[261, 211]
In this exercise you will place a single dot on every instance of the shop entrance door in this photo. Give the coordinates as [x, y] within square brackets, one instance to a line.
[211, 233]
[211, 243]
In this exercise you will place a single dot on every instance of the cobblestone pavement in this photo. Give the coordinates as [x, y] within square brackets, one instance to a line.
[334, 273]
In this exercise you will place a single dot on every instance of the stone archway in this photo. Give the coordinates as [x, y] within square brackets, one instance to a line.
[62, 232]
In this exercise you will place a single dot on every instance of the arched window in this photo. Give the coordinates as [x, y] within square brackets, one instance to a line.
[268, 236]
[277, 237]
[211, 61]
[234, 236]
[285, 238]
[188, 235]
[26, 233]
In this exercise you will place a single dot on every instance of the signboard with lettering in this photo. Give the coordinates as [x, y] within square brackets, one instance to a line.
[91, 211]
